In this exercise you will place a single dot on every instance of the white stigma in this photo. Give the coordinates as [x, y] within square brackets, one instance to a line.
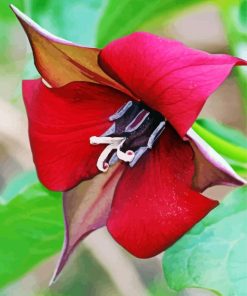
[114, 143]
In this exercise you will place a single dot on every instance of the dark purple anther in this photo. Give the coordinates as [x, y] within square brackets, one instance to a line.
[134, 130]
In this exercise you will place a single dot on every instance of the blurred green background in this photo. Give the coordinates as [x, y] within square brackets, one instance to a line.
[31, 225]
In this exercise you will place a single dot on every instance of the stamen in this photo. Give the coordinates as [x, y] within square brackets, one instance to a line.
[137, 121]
[156, 133]
[111, 130]
[138, 154]
[134, 130]
[121, 111]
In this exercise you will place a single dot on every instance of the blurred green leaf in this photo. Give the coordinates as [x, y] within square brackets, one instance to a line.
[213, 254]
[239, 167]
[85, 276]
[75, 20]
[243, 12]
[31, 231]
[6, 13]
[13, 49]
[225, 132]
[160, 288]
[234, 15]
[17, 185]
[8, 27]
[124, 17]
[228, 142]
[198, 292]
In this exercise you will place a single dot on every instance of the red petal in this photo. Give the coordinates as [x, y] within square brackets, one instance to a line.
[61, 122]
[154, 204]
[86, 208]
[167, 75]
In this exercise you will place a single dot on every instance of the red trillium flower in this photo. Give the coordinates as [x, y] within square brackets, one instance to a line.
[126, 110]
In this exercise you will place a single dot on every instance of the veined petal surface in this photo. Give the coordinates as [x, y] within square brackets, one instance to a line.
[61, 122]
[167, 75]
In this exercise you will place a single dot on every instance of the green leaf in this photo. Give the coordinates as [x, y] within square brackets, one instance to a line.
[124, 17]
[8, 27]
[243, 12]
[75, 20]
[239, 167]
[213, 254]
[231, 144]
[234, 14]
[31, 231]
[159, 288]
[198, 292]
[13, 49]
[225, 132]
[17, 185]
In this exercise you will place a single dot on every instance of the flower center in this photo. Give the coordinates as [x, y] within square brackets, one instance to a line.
[135, 129]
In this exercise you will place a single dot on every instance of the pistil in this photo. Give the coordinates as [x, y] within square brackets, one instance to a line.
[113, 144]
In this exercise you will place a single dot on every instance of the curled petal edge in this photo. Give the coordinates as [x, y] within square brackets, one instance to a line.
[59, 61]
[216, 168]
